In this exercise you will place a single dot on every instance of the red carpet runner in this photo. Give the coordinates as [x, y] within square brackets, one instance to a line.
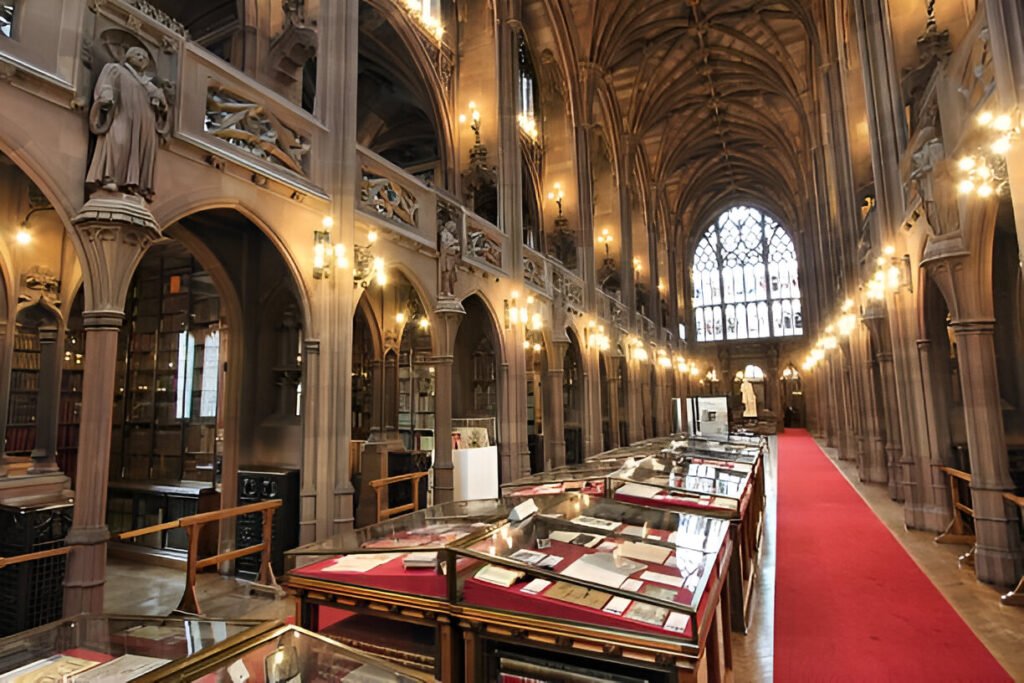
[850, 604]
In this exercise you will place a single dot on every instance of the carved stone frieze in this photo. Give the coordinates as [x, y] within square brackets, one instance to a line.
[484, 248]
[978, 79]
[533, 272]
[934, 177]
[40, 284]
[249, 126]
[389, 199]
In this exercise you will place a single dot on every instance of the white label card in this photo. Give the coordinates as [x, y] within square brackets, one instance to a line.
[617, 605]
[676, 581]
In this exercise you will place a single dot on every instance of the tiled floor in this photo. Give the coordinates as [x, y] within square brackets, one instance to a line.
[134, 589]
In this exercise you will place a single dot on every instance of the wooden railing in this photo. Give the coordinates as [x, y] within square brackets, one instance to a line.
[957, 531]
[380, 487]
[193, 525]
[1016, 596]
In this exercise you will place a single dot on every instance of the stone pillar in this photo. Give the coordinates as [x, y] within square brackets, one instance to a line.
[554, 407]
[449, 315]
[875, 469]
[44, 455]
[998, 556]
[936, 411]
[612, 382]
[892, 447]
[114, 231]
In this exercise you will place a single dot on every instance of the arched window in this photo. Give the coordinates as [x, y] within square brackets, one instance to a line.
[745, 282]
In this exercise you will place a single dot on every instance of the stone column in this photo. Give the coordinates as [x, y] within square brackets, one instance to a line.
[937, 411]
[892, 447]
[449, 315]
[612, 382]
[998, 556]
[875, 469]
[44, 455]
[554, 407]
[114, 231]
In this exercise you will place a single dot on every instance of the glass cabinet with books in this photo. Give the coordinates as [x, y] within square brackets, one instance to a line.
[585, 582]
[686, 481]
[284, 654]
[102, 649]
[385, 588]
[112, 648]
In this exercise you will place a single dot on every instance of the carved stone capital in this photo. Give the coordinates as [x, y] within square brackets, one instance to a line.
[114, 230]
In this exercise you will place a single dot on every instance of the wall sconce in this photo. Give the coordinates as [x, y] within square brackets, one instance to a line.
[326, 254]
[638, 266]
[984, 172]
[516, 315]
[474, 116]
[897, 274]
[23, 235]
[368, 268]
[829, 341]
[606, 239]
[638, 351]
[663, 359]
[661, 285]
[596, 337]
[556, 196]
[789, 373]
[846, 324]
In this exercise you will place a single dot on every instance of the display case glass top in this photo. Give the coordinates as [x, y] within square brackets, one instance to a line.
[601, 563]
[285, 654]
[689, 480]
[112, 648]
[406, 554]
[585, 477]
[712, 448]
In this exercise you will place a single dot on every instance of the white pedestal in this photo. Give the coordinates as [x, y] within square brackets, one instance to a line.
[476, 473]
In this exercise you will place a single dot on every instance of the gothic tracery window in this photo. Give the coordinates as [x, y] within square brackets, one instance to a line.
[745, 279]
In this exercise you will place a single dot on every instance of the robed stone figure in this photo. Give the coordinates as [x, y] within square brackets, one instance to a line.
[129, 115]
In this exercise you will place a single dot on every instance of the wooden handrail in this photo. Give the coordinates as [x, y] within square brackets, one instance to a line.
[957, 474]
[956, 531]
[380, 486]
[38, 555]
[194, 523]
[146, 530]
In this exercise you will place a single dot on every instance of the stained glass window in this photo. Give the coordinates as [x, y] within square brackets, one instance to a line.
[745, 279]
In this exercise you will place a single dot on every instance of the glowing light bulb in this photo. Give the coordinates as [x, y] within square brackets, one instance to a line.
[400, 318]
[371, 236]
[985, 117]
[1001, 146]
[1002, 123]
[965, 187]
[985, 190]
[327, 222]
[424, 323]
[967, 163]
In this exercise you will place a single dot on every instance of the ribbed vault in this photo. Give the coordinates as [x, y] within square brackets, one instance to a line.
[717, 96]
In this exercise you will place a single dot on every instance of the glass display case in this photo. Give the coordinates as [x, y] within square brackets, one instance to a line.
[113, 648]
[385, 588]
[688, 481]
[726, 450]
[594, 560]
[584, 580]
[588, 477]
[286, 654]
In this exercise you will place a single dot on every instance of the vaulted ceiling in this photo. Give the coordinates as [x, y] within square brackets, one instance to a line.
[716, 94]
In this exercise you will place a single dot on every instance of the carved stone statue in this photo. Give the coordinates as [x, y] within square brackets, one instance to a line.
[936, 185]
[449, 251]
[129, 115]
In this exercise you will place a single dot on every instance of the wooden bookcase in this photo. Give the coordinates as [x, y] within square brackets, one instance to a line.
[21, 409]
[164, 445]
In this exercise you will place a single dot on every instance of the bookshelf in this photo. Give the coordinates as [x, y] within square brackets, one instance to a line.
[164, 447]
[24, 392]
[69, 414]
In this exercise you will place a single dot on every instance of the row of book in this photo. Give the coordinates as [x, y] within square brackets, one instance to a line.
[20, 439]
[22, 409]
[70, 410]
[26, 360]
[24, 381]
[26, 342]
